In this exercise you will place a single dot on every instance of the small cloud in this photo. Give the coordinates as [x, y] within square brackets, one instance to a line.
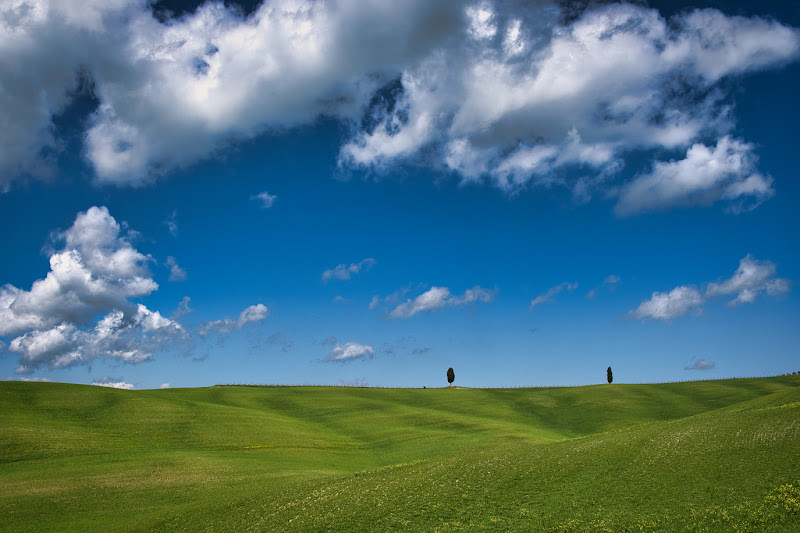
[183, 308]
[707, 174]
[698, 363]
[164, 386]
[392, 300]
[37, 380]
[340, 299]
[278, 339]
[609, 282]
[356, 382]
[265, 199]
[114, 383]
[548, 296]
[176, 273]
[254, 313]
[666, 306]
[349, 351]
[345, 272]
[750, 279]
[374, 303]
[421, 350]
[172, 223]
[438, 298]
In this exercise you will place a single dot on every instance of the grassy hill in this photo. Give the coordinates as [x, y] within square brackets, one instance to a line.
[700, 456]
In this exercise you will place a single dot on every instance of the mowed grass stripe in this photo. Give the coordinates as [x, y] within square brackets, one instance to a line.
[314, 458]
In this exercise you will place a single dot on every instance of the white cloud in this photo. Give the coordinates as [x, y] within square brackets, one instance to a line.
[36, 380]
[254, 313]
[698, 363]
[165, 386]
[610, 282]
[480, 21]
[114, 383]
[183, 308]
[438, 298]
[126, 337]
[176, 273]
[666, 306]
[84, 308]
[97, 270]
[172, 93]
[266, 199]
[706, 175]
[172, 223]
[494, 91]
[548, 296]
[752, 278]
[38, 345]
[582, 95]
[346, 272]
[349, 351]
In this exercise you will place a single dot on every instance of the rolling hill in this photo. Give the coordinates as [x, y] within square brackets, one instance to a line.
[698, 456]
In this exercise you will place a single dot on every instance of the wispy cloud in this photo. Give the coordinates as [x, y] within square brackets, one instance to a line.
[265, 199]
[254, 313]
[346, 272]
[698, 363]
[355, 382]
[551, 292]
[176, 273]
[282, 341]
[172, 223]
[610, 282]
[183, 308]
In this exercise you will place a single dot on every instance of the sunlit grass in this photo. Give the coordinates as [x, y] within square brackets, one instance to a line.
[703, 456]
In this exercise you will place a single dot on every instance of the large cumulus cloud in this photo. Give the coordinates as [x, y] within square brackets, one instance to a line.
[85, 308]
[492, 91]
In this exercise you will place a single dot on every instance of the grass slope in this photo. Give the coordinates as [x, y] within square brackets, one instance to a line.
[703, 456]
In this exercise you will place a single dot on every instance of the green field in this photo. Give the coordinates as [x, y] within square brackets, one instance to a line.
[697, 456]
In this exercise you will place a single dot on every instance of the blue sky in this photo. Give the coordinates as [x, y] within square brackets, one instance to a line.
[357, 193]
